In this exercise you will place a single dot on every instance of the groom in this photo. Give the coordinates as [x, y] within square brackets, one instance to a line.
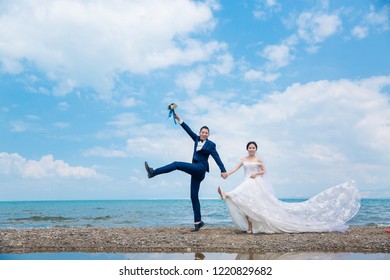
[203, 148]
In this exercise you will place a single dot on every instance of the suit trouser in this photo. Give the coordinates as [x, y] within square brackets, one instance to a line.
[197, 172]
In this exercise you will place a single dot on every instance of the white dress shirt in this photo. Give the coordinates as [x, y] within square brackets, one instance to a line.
[200, 144]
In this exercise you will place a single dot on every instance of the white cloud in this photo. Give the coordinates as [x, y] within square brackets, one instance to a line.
[29, 123]
[323, 153]
[121, 125]
[360, 32]
[338, 124]
[253, 75]
[129, 102]
[62, 125]
[124, 120]
[265, 8]
[372, 20]
[32, 118]
[10, 65]
[150, 141]
[86, 43]
[271, 3]
[163, 141]
[18, 126]
[224, 64]
[63, 106]
[46, 167]
[105, 152]
[312, 135]
[191, 80]
[316, 27]
[379, 19]
[278, 56]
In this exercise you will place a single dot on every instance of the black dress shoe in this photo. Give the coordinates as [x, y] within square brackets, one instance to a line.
[149, 170]
[198, 226]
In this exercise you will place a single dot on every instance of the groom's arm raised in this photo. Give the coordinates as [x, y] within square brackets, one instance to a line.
[186, 127]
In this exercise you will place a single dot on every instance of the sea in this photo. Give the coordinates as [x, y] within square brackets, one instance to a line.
[146, 213]
[150, 213]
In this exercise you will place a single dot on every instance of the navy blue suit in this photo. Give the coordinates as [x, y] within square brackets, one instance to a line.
[197, 169]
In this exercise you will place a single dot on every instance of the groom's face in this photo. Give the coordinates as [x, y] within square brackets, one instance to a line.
[204, 134]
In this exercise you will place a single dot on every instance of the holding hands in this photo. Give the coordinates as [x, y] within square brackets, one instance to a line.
[224, 175]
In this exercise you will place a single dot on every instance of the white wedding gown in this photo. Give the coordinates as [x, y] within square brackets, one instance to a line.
[254, 198]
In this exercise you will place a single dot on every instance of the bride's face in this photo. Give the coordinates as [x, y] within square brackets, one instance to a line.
[252, 149]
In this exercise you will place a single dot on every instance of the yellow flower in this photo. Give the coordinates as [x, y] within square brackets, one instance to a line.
[172, 106]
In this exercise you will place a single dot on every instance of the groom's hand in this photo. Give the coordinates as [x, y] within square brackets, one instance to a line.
[224, 175]
[176, 116]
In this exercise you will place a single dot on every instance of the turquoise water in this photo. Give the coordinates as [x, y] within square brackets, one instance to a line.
[145, 213]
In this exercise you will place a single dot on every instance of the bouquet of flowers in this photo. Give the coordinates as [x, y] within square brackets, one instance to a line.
[171, 108]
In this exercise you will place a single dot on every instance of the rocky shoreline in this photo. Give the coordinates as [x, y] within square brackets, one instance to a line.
[358, 239]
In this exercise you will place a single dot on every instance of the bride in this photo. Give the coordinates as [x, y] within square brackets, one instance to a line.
[254, 207]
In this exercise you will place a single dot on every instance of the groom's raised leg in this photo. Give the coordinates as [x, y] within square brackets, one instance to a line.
[186, 167]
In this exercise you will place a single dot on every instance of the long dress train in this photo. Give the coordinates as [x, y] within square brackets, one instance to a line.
[329, 210]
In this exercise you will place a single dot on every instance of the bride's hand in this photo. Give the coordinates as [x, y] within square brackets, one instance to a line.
[253, 176]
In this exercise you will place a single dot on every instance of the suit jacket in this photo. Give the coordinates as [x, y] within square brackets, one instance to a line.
[209, 148]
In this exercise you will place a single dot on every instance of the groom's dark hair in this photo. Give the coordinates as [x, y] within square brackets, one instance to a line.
[205, 128]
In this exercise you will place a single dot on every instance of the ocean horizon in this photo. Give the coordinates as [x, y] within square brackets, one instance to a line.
[146, 213]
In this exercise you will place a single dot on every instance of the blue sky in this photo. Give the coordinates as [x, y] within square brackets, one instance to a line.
[85, 86]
